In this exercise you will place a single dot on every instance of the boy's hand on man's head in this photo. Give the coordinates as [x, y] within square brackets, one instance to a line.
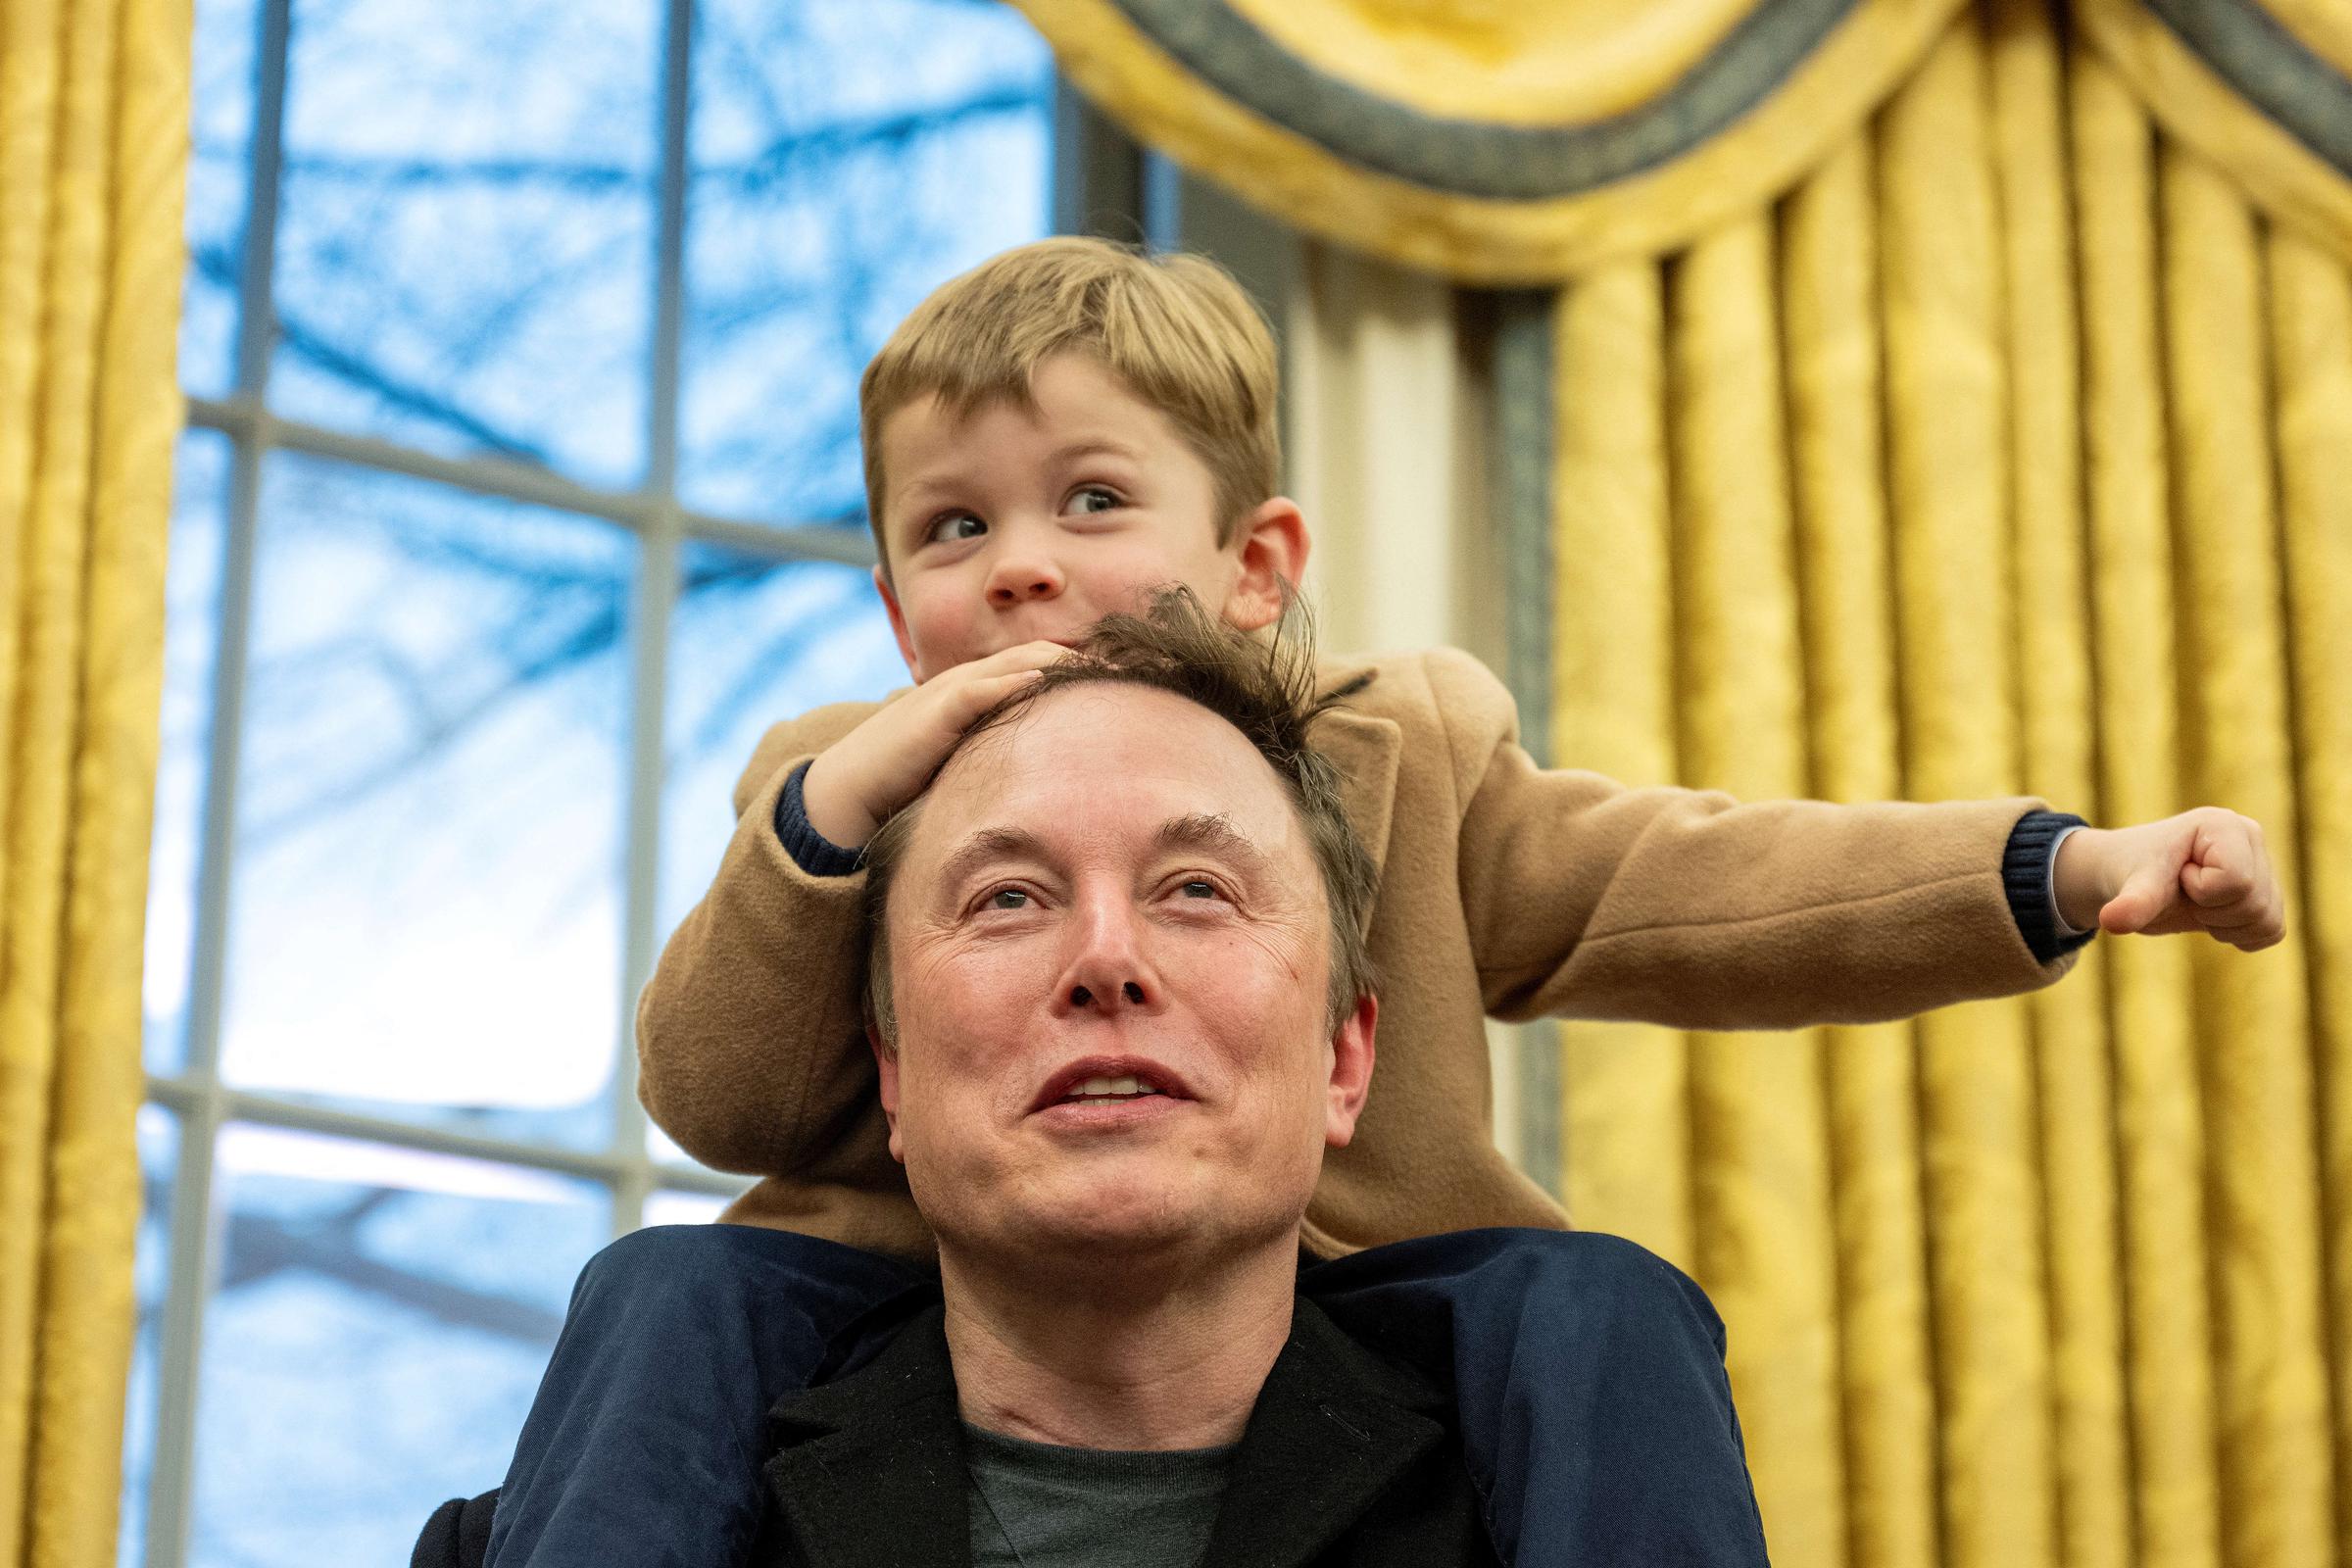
[856, 783]
[2203, 870]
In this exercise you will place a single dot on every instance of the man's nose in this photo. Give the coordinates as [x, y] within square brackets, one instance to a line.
[1109, 972]
[1022, 574]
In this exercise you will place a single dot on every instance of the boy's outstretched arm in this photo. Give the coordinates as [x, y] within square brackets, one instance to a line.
[2204, 870]
[1587, 898]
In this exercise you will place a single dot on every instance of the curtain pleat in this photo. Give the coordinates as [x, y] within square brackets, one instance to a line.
[2159, 1124]
[1829, 269]
[1760, 1157]
[2073, 1077]
[61, 312]
[2311, 344]
[1625, 1087]
[2272, 1392]
[93, 154]
[1948, 468]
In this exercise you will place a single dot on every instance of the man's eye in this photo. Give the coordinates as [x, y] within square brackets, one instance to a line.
[955, 525]
[1094, 498]
[1008, 899]
[1200, 888]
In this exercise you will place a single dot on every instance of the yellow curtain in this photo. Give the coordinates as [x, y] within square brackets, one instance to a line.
[2011, 449]
[93, 155]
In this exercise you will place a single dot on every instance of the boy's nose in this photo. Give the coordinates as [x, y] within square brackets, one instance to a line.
[1016, 581]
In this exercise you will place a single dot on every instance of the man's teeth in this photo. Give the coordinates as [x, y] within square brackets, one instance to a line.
[1112, 1089]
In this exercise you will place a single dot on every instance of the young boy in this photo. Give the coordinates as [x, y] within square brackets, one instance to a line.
[1049, 439]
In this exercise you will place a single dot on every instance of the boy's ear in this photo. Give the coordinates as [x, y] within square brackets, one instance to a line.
[1272, 542]
[1350, 1071]
[898, 624]
[886, 1066]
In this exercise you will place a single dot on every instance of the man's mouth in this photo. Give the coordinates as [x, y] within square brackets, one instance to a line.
[1110, 1081]
[1110, 1091]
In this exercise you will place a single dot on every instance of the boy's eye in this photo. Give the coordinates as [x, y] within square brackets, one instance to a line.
[953, 525]
[1094, 498]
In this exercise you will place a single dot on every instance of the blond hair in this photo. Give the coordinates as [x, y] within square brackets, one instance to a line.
[1265, 688]
[1177, 329]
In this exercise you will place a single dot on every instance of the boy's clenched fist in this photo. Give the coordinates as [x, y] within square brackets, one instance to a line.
[2203, 870]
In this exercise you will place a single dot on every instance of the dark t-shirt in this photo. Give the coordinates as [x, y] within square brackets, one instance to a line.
[1090, 1507]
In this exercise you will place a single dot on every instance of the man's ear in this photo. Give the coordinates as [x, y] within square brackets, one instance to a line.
[886, 1066]
[1350, 1071]
[1272, 542]
[898, 625]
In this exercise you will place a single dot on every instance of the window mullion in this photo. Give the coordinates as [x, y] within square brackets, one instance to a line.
[657, 577]
[195, 1267]
[670, 250]
[195, 1260]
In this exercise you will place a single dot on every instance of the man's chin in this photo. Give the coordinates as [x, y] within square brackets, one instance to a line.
[1108, 1221]
[1110, 1225]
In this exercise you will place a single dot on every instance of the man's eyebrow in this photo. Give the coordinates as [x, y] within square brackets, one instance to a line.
[1211, 834]
[988, 845]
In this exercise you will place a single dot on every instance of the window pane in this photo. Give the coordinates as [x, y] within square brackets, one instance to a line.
[191, 635]
[466, 230]
[159, 1151]
[382, 1321]
[848, 156]
[426, 915]
[219, 173]
[753, 641]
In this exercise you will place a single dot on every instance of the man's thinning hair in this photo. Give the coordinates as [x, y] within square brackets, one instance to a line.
[1263, 688]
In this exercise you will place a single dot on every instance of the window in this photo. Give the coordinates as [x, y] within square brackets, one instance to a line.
[520, 491]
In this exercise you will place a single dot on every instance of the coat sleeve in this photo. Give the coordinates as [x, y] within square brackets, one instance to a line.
[1589, 898]
[751, 1036]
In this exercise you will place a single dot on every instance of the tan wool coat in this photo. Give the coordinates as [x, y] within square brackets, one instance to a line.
[1505, 889]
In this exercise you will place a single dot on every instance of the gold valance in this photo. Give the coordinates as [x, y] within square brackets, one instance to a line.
[1489, 141]
[2263, 89]
[1526, 143]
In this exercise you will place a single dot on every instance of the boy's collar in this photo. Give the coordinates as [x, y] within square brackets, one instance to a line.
[1365, 751]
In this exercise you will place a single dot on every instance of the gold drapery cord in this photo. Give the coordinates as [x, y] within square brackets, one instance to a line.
[94, 157]
[2012, 451]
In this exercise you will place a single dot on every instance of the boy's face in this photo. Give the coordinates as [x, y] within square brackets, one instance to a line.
[1021, 525]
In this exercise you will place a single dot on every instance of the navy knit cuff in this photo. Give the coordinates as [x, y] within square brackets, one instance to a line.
[811, 850]
[2025, 876]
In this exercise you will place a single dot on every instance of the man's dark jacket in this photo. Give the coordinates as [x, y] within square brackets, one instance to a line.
[1348, 1461]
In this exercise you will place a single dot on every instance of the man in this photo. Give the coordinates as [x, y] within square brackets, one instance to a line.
[1120, 1007]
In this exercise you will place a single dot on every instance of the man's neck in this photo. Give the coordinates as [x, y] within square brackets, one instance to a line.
[1168, 1368]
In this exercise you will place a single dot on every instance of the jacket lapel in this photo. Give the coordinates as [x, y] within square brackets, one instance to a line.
[1365, 751]
[869, 1471]
[1333, 1428]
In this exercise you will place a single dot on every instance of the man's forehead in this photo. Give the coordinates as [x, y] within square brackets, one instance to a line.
[1109, 756]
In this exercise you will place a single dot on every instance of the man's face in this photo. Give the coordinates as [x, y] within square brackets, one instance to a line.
[1114, 893]
[1020, 525]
